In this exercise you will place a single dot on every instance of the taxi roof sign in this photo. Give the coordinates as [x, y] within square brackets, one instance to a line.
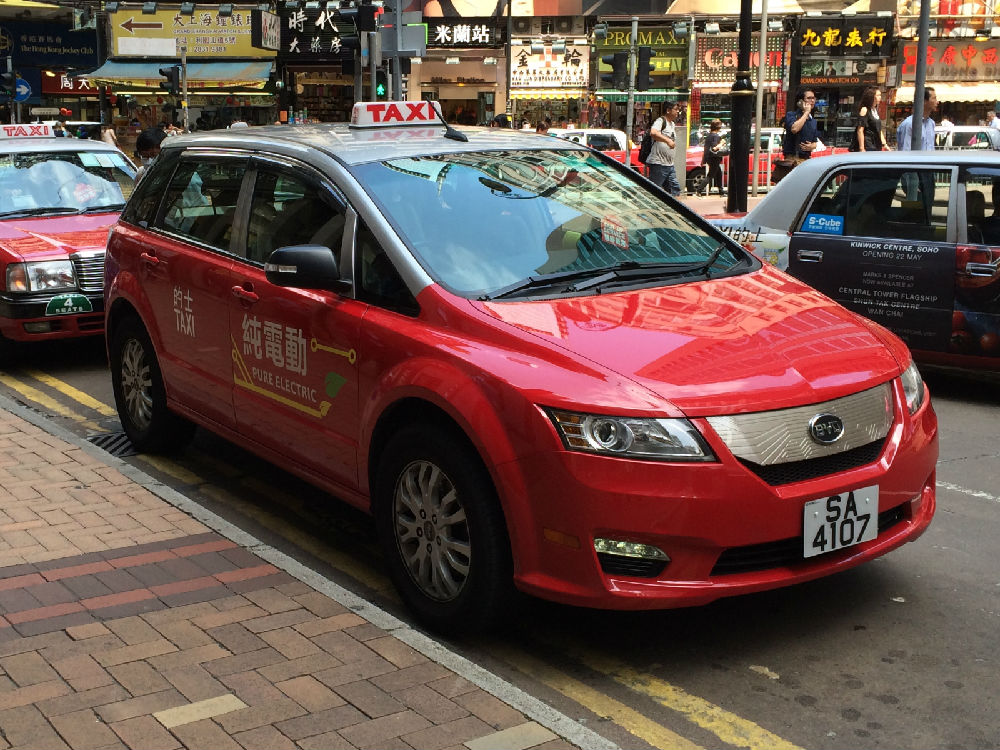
[396, 114]
[28, 130]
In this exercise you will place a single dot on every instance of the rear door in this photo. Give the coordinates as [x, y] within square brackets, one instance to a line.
[295, 354]
[187, 276]
[881, 241]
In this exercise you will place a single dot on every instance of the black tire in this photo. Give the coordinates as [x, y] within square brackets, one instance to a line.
[139, 394]
[474, 585]
[697, 181]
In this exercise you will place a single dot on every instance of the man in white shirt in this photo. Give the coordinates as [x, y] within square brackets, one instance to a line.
[995, 121]
[905, 130]
[661, 158]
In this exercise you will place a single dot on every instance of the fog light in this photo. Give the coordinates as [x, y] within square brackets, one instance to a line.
[629, 549]
[40, 327]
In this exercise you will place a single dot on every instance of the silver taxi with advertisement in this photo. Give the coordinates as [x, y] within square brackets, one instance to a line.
[909, 239]
[532, 366]
[58, 198]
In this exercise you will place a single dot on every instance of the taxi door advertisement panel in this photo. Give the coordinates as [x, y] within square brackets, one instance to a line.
[294, 365]
[903, 285]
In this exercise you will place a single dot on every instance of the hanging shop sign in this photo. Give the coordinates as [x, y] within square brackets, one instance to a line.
[955, 61]
[549, 69]
[205, 33]
[462, 32]
[316, 35]
[63, 85]
[717, 57]
[48, 45]
[265, 30]
[844, 36]
[840, 72]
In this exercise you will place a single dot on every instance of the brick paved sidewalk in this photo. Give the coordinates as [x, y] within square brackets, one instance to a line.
[127, 623]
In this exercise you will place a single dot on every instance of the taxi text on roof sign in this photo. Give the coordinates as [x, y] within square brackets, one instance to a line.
[395, 114]
[34, 130]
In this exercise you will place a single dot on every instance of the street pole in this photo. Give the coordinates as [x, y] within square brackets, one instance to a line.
[917, 131]
[630, 111]
[184, 87]
[741, 94]
[397, 29]
[510, 30]
[761, 64]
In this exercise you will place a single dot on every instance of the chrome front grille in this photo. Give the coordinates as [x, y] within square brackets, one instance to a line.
[89, 268]
[782, 436]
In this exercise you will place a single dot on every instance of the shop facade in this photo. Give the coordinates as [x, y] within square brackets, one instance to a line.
[464, 69]
[716, 58]
[316, 64]
[965, 75]
[837, 56]
[670, 80]
[228, 77]
[550, 81]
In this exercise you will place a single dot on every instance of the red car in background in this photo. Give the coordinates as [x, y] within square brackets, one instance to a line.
[58, 199]
[770, 152]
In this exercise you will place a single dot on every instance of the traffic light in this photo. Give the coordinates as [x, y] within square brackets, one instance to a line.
[381, 83]
[619, 70]
[173, 75]
[8, 83]
[367, 17]
[643, 68]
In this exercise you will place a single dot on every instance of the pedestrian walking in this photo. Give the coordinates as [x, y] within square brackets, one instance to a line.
[109, 136]
[904, 132]
[711, 157]
[868, 134]
[661, 157]
[801, 135]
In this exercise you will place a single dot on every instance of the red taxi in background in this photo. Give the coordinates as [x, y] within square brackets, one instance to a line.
[58, 198]
[535, 368]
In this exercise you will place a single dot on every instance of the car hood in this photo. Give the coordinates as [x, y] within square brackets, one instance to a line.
[749, 343]
[40, 238]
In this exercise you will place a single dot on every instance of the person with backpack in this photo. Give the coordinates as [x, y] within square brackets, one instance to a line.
[661, 156]
[711, 156]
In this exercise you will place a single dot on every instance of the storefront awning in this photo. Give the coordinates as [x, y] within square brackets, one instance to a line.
[642, 96]
[955, 92]
[200, 75]
[563, 93]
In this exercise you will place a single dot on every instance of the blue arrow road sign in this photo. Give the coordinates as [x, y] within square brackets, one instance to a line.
[21, 90]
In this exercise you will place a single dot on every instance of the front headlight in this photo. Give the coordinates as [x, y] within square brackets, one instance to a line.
[40, 276]
[631, 437]
[913, 387]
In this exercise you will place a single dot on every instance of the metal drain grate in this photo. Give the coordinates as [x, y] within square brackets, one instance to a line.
[115, 443]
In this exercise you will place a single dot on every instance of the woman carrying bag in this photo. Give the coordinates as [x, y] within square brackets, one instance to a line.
[715, 148]
[868, 133]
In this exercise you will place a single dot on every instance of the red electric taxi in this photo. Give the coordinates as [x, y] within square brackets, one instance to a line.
[58, 198]
[534, 368]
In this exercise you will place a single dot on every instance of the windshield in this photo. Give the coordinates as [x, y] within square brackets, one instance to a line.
[481, 222]
[64, 181]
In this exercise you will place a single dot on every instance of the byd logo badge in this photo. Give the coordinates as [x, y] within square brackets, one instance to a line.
[826, 428]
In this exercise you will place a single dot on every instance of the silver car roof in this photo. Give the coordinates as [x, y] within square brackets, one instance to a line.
[781, 206]
[360, 145]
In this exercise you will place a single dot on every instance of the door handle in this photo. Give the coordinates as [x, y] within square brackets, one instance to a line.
[245, 295]
[151, 260]
[810, 256]
[981, 269]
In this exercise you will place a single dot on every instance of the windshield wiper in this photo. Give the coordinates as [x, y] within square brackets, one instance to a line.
[632, 269]
[539, 282]
[102, 209]
[40, 211]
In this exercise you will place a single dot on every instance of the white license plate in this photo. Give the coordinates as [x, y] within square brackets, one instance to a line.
[840, 521]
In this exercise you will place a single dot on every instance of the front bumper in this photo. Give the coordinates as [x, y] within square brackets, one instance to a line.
[25, 318]
[725, 530]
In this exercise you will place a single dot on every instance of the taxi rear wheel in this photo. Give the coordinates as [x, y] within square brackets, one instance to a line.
[139, 393]
[442, 530]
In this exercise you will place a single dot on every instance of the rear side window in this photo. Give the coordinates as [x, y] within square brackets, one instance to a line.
[290, 210]
[145, 201]
[887, 203]
[201, 200]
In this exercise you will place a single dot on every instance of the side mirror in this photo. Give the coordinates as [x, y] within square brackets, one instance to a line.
[305, 267]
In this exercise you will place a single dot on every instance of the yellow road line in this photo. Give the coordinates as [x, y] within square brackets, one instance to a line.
[604, 706]
[47, 402]
[171, 468]
[342, 562]
[67, 390]
[727, 726]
